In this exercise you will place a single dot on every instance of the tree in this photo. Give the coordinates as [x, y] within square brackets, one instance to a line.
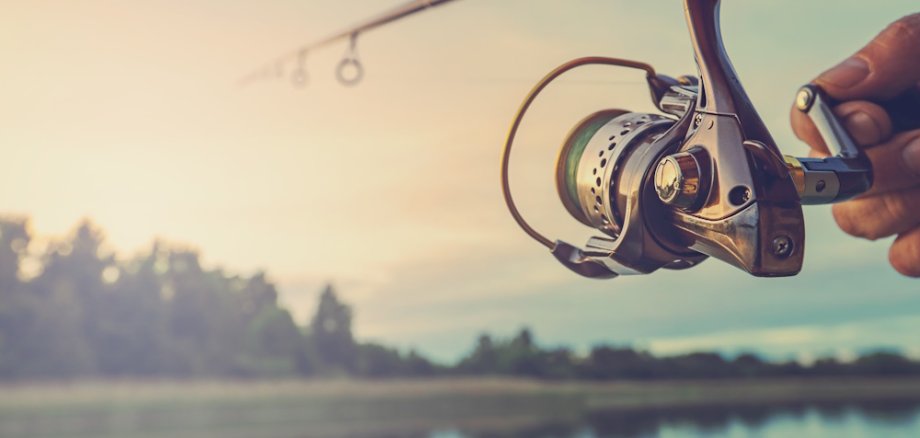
[884, 363]
[606, 362]
[482, 360]
[521, 356]
[376, 361]
[134, 337]
[274, 345]
[14, 241]
[70, 308]
[330, 333]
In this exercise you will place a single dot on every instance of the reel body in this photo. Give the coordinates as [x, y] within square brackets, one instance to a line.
[703, 179]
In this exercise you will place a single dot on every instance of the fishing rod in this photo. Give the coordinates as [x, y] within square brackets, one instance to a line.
[349, 71]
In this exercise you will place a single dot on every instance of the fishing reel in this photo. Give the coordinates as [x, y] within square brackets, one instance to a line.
[702, 179]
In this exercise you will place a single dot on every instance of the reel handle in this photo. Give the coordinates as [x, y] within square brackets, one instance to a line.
[847, 173]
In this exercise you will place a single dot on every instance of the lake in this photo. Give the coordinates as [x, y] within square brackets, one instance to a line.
[463, 408]
[833, 420]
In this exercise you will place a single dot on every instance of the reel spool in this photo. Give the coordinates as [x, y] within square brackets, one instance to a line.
[704, 178]
[582, 172]
[598, 174]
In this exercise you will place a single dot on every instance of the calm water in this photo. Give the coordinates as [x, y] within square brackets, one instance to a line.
[139, 412]
[877, 419]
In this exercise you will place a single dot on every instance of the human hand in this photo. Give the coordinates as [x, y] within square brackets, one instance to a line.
[885, 71]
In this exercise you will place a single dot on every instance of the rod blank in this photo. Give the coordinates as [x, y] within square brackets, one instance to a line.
[351, 33]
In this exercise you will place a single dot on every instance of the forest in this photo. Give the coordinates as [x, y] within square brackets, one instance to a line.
[73, 309]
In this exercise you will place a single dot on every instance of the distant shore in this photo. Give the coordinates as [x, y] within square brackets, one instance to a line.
[594, 394]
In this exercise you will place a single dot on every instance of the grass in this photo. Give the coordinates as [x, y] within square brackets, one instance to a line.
[363, 408]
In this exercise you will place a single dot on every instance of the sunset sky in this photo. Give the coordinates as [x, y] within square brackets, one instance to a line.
[129, 113]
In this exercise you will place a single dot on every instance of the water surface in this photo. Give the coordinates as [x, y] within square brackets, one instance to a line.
[827, 420]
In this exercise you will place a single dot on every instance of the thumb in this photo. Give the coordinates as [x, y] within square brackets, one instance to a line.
[883, 69]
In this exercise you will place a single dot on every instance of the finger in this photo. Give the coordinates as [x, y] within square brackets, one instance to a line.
[880, 216]
[884, 68]
[904, 254]
[867, 123]
[896, 163]
[817, 154]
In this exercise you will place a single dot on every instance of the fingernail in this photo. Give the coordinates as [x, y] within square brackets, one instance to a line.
[863, 127]
[911, 155]
[848, 73]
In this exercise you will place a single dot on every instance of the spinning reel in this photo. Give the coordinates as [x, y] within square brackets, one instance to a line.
[704, 178]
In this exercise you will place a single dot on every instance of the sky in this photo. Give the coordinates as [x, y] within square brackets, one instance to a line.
[129, 113]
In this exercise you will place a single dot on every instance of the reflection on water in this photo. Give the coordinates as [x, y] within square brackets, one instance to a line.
[865, 419]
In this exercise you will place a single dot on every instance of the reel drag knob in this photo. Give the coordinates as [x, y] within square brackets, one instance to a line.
[678, 180]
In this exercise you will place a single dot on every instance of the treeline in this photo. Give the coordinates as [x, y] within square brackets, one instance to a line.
[520, 356]
[71, 309]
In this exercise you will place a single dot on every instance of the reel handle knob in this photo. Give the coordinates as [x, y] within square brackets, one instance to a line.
[842, 176]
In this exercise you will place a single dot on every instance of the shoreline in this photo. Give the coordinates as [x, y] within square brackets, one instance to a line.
[639, 391]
